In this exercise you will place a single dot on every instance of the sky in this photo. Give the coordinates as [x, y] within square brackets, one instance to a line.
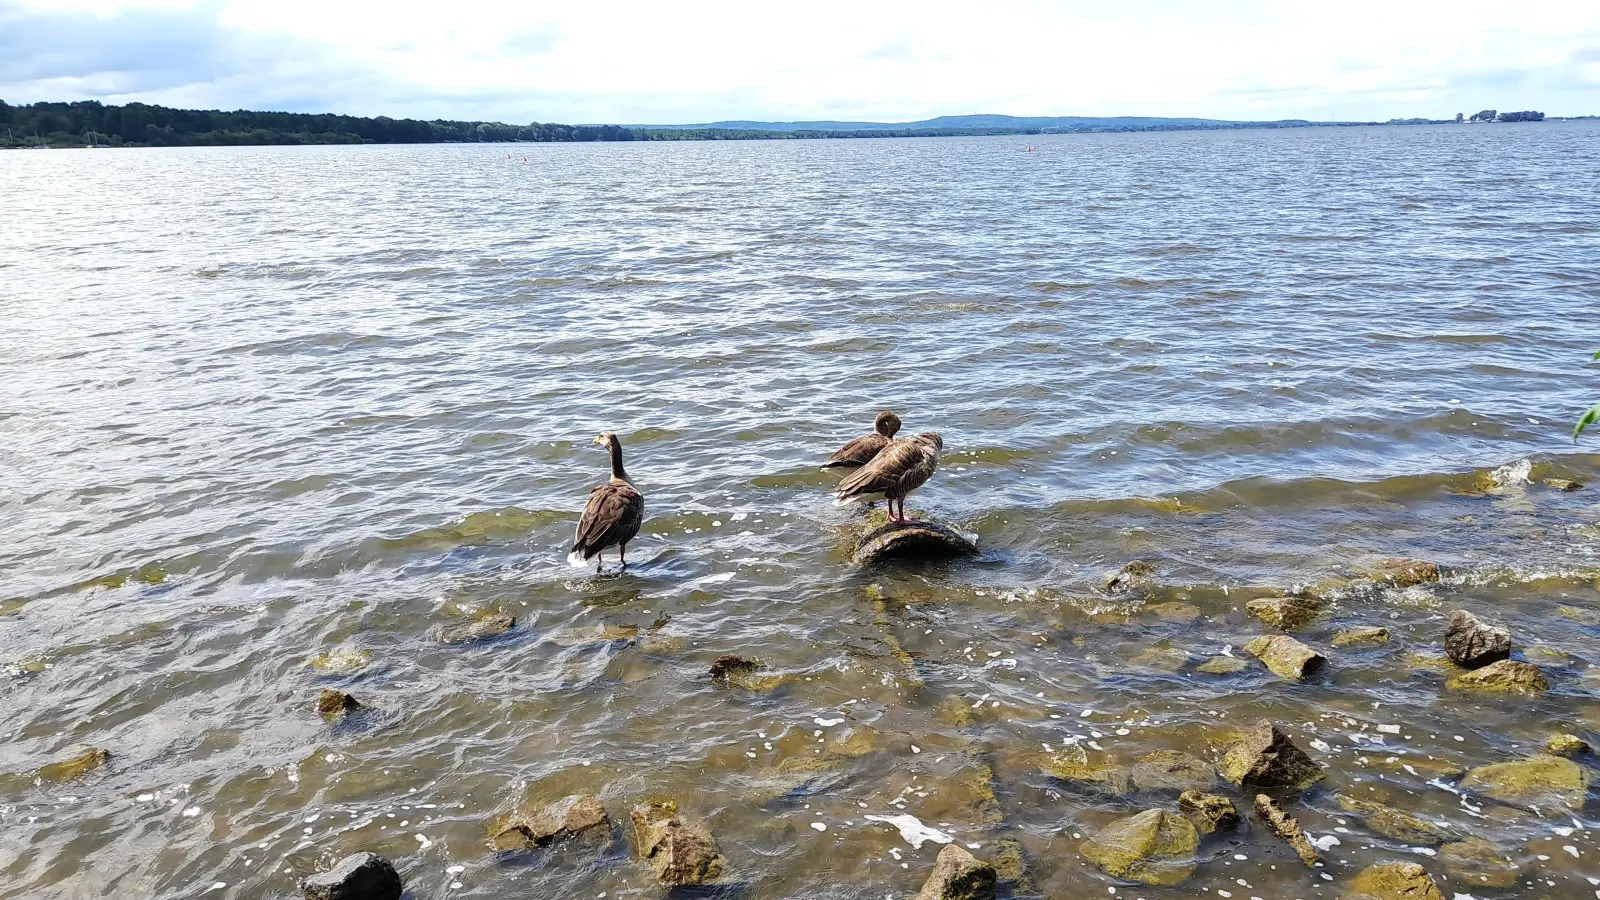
[633, 62]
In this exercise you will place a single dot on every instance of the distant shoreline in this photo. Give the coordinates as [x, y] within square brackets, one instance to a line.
[90, 124]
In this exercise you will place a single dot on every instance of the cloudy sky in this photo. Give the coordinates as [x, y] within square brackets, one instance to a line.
[636, 62]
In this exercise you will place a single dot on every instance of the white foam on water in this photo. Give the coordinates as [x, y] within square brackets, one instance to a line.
[913, 831]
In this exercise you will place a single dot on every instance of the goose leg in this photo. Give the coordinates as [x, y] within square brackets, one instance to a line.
[623, 552]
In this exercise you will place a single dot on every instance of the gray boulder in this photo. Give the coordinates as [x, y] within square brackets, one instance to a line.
[1473, 643]
[913, 540]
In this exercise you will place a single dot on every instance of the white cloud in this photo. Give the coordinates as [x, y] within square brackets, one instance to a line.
[628, 61]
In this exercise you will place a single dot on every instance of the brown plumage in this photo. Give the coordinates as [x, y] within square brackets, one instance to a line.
[860, 451]
[613, 514]
[898, 469]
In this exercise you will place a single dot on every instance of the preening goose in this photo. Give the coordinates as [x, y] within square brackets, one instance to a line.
[860, 451]
[613, 514]
[898, 469]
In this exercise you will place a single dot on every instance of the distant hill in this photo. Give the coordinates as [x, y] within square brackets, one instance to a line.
[983, 122]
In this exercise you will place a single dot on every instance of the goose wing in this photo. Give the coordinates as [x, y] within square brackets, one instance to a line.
[612, 516]
[899, 468]
[858, 452]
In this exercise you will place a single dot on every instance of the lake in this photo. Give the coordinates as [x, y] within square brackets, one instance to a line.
[274, 417]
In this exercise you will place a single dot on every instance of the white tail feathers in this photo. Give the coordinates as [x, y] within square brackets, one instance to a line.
[577, 560]
[856, 498]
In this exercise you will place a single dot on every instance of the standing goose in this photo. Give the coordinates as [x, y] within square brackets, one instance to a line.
[898, 469]
[860, 451]
[613, 514]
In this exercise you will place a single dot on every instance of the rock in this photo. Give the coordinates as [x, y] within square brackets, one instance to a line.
[359, 876]
[1172, 770]
[730, 665]
[1074, 766]
[332, 704]
[1176, 612]
[1503, 677]
[1011, 866]
[76, 767]
[1287, 657]
[1393, 881]
[1222, 665]
[1563, 484]
[958, 875]
[1265, 759]
[1404, 573]
[1152, 847]
[1285, 613]
[1284, 826]
[1209, 812]
[1393, 823]
[1137, 575]
[1162, 659]
[1535, 781]
[526, 827]
[1566, 745]
[1477, 862]
[341, 659]
[913, 540]
[1472, 643]
[477, 629]
[680, 851]
[1361, 636]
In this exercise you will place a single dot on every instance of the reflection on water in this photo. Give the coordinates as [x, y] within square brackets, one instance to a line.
[275, 417]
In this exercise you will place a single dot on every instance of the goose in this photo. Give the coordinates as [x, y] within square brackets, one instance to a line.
[898, 469]
[613, 514]
[860, 451]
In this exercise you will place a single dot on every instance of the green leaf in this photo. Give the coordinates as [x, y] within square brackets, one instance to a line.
[1597, 354]
[1589, 418]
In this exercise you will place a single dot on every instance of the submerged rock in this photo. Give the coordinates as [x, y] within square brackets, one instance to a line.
[1284, 826]
[1265, 759]
[1285, 613]
[1361, 636]
[913, 540]
[1176, 612]
[1566, 745]
[1162, 659]
[1222, 665]
[1477, 862]
[1287, 657]
[1504, 677]
[526, 827]
[341, 659]
[1172, 770]
[1135, 576]
[76, 767]
[1209, 812]
[359, 876]
[681, 852]
[958, 875]
[477, 629]
[1011, 867]
[730, 665]
[1077, 768]
[1536, 781]
[1473, 643]
[1564, 484]
[1393, 881]
[1152, 847]
[332, 704]
[1404, 573]
[1393, 823]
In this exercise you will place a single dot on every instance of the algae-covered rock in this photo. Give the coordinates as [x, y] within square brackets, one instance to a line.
[1393, 881]
[1222, 665]
[529, 826]
[1172, 770]
[359, 876]
[1361, 636]
[343, 660]
[1394, 823]
[1504, 677]
[1209, 812]
[680, 851]
[1566, 745]
[1536, 781]
[732, 670]
[1477, 862]
[1011, 866]
[958, 875]
[1152, 847]
[477, 630]
[1135, 576]
[332, 704]
[1404, 573]
[1285, 613]
[1285, 827]
[1564, 484]
[1176, 612]
[1265, 759]
[1162, 659]
[1287, 657]
[1473, 643]
[913, 540]
[1098, 773]
[75, 767]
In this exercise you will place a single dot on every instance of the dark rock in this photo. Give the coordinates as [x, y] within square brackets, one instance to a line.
[332, 704]
[1284, 826]
[1541, 780]
[76, 767]
[526, 827]
[1152, 847]
[1137, 575]
[1393, 881]
[1172, 770]
[1477, 862]
[1209, 812]
[1286, 657]
[680, 851]
[1267, 760]
[729, 665]
[1404, 573]
[359, 876]
[958, 875]
[1504, 677]
[477, 629]
[913, 540]
[1361, 636]
[1285, 613]
[1394, 823]
[1472, 643]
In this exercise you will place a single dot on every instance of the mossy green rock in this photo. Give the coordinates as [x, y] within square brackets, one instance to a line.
[1393, 881]
[1478, 863]
[1079, 769]
[1152, 847]
[1504, 677]
[1361, 636]
[1285, 613]
[1222, 665]
[1011, 866]
[1536, 781]
[958, 875]
[1265, 759]
[1286, 657]
[1394, 823]
[1404, 573]
[76, 767]
[1566, 745]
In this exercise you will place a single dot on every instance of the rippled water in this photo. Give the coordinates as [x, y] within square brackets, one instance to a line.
[265, 404]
